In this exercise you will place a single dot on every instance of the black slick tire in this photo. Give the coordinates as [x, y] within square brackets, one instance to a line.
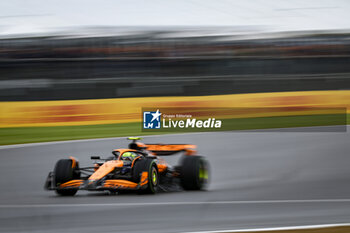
[148, 165]
[194, 173]
[63, 173]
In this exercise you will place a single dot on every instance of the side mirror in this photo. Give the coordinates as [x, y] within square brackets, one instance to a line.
[95, 157]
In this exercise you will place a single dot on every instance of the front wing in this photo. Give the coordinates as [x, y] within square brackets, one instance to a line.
[95, 185]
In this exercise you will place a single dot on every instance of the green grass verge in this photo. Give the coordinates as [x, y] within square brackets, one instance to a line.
[59, 133]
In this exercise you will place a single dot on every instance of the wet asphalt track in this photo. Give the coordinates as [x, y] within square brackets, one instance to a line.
[259, 179]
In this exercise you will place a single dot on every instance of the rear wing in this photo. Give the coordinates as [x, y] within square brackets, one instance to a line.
[163, 149]
[170, 149]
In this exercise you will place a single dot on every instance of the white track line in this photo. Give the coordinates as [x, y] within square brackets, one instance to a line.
[279, 228]
[176, 203]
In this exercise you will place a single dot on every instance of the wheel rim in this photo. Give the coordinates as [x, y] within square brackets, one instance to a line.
[203, 173]
[154, 176]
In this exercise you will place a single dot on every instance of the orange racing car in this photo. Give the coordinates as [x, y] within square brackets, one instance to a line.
[139, 168]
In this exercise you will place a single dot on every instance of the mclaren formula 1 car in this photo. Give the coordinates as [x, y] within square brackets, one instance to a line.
[139, 168]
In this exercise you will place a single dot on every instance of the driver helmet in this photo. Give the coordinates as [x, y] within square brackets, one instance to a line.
[128, 156]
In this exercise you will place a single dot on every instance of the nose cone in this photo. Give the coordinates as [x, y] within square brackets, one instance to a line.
[105, 169]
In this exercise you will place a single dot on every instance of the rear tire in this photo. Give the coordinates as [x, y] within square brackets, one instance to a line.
[148, 165]
[63, 173]
[194, 173]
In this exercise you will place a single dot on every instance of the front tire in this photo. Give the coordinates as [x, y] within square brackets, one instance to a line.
[63, 173]
[150, 166]
[194, 173]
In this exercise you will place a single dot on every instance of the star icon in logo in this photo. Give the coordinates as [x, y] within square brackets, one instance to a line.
[156, 115]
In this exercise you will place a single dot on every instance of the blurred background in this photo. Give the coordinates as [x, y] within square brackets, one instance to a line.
[89, 50]
[129, 62]
[84, 69]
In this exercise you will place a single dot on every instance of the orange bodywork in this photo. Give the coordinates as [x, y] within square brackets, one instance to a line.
[109, 166]
[161, 165]
[111, 184]
[72, 184]
[105, 169]
[119, 184]
[144, 178]
[125, 184]
[74, 161]
[171, 148]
